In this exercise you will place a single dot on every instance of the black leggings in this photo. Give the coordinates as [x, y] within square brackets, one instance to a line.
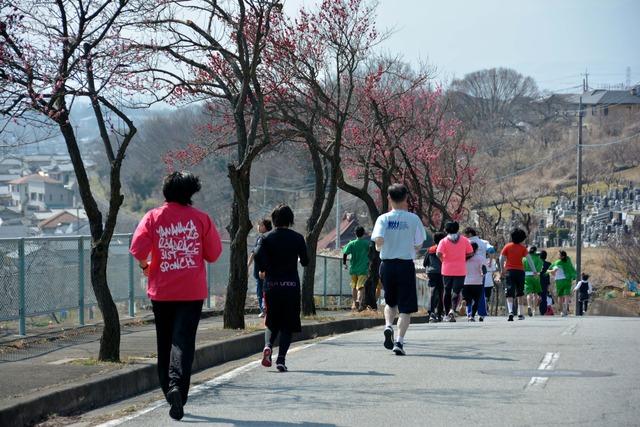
[472, 295]
[270, 337]
[452, 284]
[487, 294]
[437, 290]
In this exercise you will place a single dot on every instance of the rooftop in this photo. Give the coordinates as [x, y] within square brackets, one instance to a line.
[34, 178]
[601, 96]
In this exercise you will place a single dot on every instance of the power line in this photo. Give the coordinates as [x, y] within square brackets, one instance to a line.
[562, 153]
[606, 144]
[533, 166]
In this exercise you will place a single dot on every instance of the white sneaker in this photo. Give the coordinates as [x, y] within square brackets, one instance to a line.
[261, 314]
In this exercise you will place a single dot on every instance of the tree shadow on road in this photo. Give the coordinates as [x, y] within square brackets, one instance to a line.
[461, 357]
[343, 373]
[200, 419]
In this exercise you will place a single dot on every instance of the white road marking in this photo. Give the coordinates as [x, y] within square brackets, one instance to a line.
[548, 363]
[215, 382]
[570, 330]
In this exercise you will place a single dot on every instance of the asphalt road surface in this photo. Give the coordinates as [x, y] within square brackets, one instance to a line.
[541, 371]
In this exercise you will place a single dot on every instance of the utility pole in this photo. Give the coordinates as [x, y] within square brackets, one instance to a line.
[585, 81]
[579, 202]
[338, 218]
[628, 78]
[264, 191]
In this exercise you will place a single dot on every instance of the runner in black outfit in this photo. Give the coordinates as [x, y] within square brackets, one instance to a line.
[277, 260]
[433, 265]
[545, 282]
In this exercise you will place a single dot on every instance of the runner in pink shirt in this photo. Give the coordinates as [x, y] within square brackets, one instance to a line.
[453, 251]
[179, 238]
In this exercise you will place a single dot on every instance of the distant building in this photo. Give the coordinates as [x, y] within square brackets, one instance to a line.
[63, 222]
[348, 227]
[37, 192]
[601, 102]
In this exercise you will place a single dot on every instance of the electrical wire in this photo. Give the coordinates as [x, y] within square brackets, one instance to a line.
[606, 144]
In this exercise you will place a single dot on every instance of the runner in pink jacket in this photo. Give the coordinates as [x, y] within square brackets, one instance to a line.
[171, 244]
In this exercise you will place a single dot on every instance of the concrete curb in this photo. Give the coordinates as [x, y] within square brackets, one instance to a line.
[130, 381]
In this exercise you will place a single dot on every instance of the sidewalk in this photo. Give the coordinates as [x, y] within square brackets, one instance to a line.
[70, 360]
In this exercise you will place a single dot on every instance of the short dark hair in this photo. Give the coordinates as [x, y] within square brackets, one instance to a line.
[543, 254]
[451, 227]
[518, 235]
[282, 216]
[471, 231]
[398, 192]
[474, 246]
[585, 276]
[359, 231]
[563, 254]
[438, 236]
[266, 222]
[179, 187]
[533, 249]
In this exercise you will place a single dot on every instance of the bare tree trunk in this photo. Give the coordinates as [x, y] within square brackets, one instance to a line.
[309, 277]
[110, 340]
[326, 187]
[233, 317]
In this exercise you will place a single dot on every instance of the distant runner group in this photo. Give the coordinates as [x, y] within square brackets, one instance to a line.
[460, 270]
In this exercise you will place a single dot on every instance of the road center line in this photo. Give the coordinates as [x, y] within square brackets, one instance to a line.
[549, 361]
[571, 330]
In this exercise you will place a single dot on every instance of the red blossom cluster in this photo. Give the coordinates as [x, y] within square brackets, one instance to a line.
[404, 133]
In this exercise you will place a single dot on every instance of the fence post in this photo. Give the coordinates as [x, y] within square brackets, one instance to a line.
[324, 285]
[132, 309]
[209, 270]
[340, 279]
[22, 329]
[81, 280]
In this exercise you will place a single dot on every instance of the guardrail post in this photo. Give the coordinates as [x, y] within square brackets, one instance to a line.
[81, 280]
[22, 328]
[209, 274]
[340, 278]
[324, 276]
[132, 310]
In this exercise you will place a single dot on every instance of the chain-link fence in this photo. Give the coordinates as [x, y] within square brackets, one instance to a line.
[51, 276]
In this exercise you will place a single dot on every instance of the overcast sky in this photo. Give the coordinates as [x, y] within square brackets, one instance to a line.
[553, 41]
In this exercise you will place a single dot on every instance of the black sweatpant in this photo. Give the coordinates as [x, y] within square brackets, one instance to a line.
[176, 326]
[436, 305]
[543, 298]
[472, 295]
[583, 304]
[284, 344]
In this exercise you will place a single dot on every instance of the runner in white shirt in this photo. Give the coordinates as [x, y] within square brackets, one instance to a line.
[398, 235]
[471, 234]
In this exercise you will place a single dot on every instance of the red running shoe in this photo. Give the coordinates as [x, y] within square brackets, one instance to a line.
[266, 357]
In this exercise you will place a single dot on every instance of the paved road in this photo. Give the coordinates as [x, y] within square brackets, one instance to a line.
[536, 372]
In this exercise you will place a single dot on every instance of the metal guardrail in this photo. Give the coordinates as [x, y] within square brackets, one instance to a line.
[45, 275]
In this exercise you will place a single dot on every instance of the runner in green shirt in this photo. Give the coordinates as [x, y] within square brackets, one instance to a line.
[565, 274]
[359, 251]
[532, 285]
